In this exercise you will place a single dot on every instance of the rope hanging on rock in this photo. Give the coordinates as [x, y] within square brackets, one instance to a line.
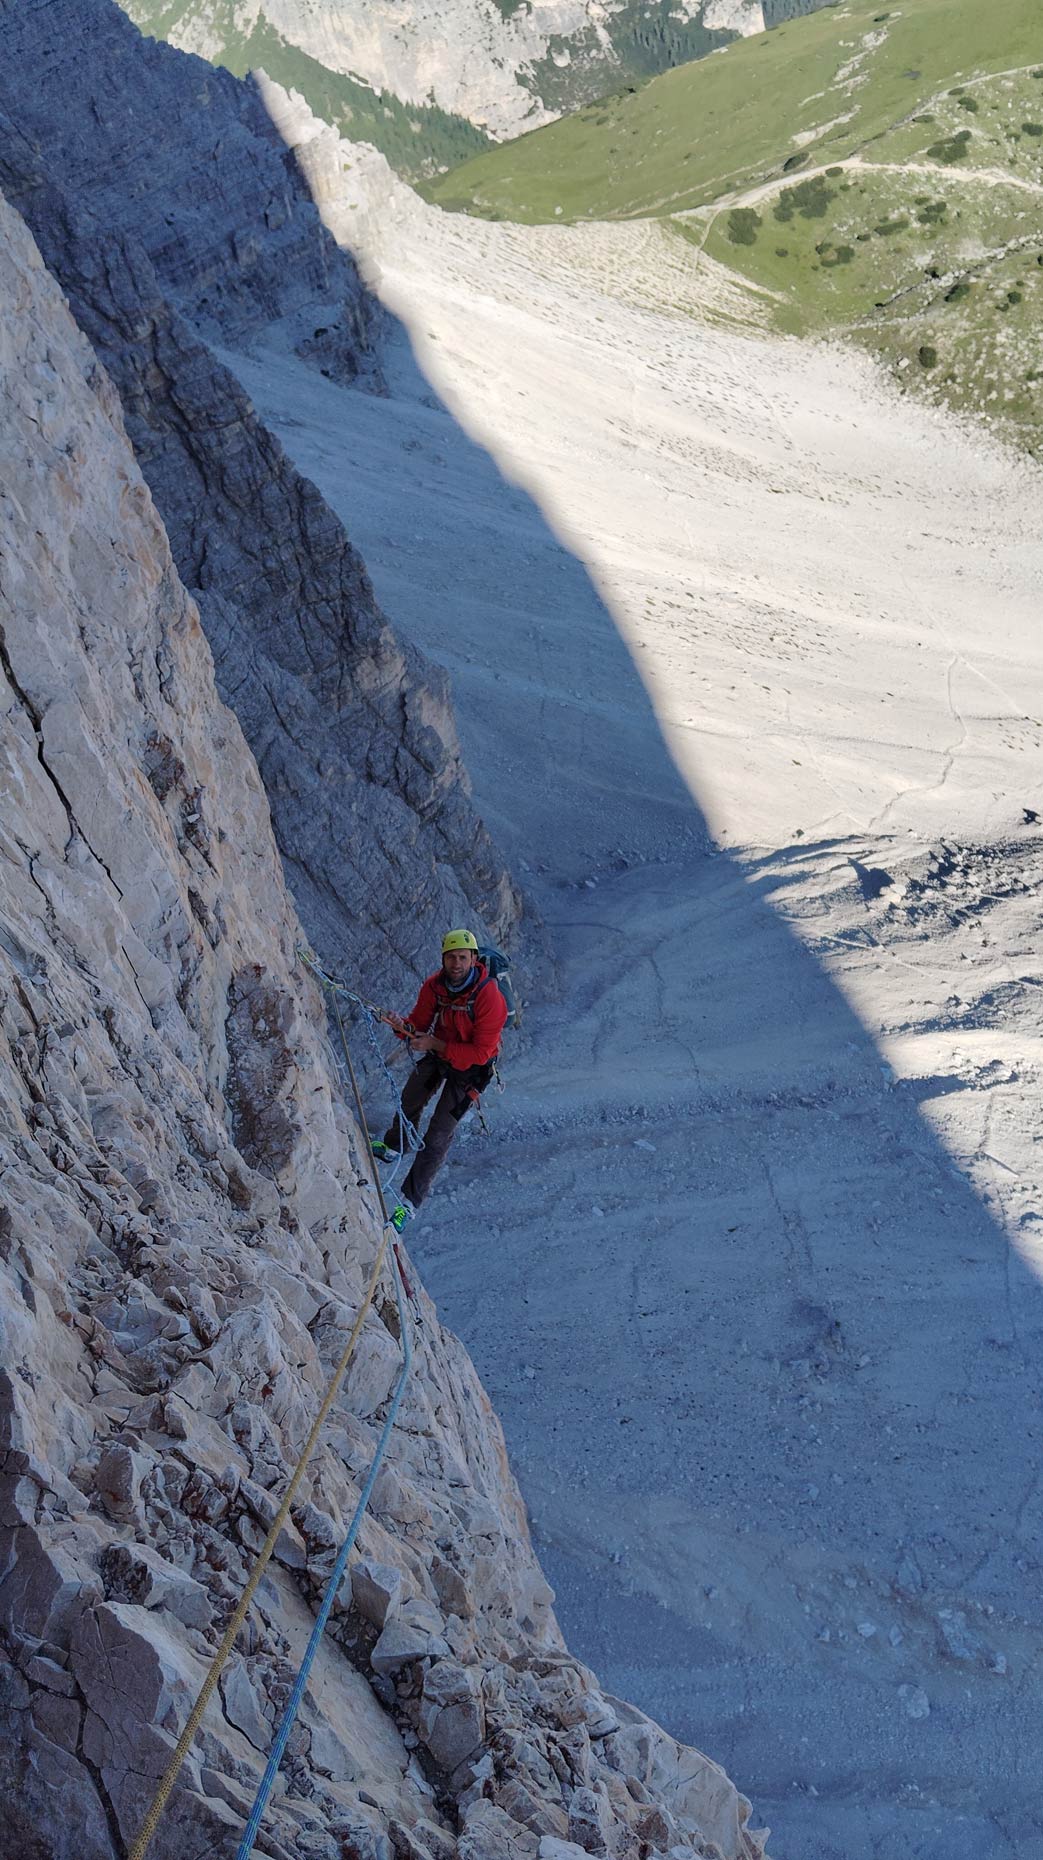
[373, 1018]
[282, 1735]
[413, 1140]
[220, 1659]
[264, 1556]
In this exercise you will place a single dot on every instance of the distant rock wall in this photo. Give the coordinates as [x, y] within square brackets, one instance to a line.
[186, 1226]
[172, 215]
[776, 11]
[505, 65]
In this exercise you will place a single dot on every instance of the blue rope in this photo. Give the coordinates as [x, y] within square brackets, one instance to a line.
[413, 1140]
[267, 1783]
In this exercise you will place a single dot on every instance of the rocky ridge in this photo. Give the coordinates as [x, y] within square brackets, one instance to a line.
[504, 65]
[174, 218]
[185, 1231]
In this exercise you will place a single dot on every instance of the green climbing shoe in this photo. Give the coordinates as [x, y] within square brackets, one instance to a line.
[383, 1151]
[402, 1214]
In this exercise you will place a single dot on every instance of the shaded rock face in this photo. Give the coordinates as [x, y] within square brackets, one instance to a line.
[185, 1231]
[212, 232]
[776, 12]
[180, 158]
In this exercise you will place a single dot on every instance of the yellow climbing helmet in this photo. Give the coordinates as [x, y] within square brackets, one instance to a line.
[459, 939]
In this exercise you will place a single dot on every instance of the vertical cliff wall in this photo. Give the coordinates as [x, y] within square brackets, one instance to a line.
[185, 1230]
[171, 214]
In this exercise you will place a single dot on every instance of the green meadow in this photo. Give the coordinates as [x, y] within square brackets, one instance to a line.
[875, 173]
[735, 118]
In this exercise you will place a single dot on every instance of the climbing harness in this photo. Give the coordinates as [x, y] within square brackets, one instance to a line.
[403, 1292]
[375, 1016]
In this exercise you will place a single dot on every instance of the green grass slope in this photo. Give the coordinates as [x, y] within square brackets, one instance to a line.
[633, 41]
[873, 172]
[926, 249]
[418, 140]
[822, 86]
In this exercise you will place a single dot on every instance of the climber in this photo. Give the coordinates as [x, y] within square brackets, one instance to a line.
[465, 1013]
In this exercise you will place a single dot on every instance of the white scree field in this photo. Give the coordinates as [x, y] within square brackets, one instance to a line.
[748, 661]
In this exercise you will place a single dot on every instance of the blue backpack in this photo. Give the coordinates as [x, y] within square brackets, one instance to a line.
[498, 968]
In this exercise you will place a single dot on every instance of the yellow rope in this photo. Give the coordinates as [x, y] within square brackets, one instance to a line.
[184, 1742]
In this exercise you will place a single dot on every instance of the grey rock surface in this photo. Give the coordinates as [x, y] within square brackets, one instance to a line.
[452, 1714]
[171, 1307]
[375, 1590]
[402, 1644]
[180, 158]
[172, 215]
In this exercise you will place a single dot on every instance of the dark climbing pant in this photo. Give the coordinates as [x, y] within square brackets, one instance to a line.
[427, 1075]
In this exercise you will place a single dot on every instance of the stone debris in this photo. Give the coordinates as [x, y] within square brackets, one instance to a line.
[118, 1482]
[376, 1589]
[591, 1710]
[451, 1718]
[244, 1705]
[402, 1644]
[590, 1821]
[957, 1639]
[137, 1573]
[491, 1834]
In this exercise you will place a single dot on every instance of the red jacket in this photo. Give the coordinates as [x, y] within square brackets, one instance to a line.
[472, 1035]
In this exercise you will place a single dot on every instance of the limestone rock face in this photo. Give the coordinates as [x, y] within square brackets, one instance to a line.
[185, 1231]
[505, 65]
[172, 214]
